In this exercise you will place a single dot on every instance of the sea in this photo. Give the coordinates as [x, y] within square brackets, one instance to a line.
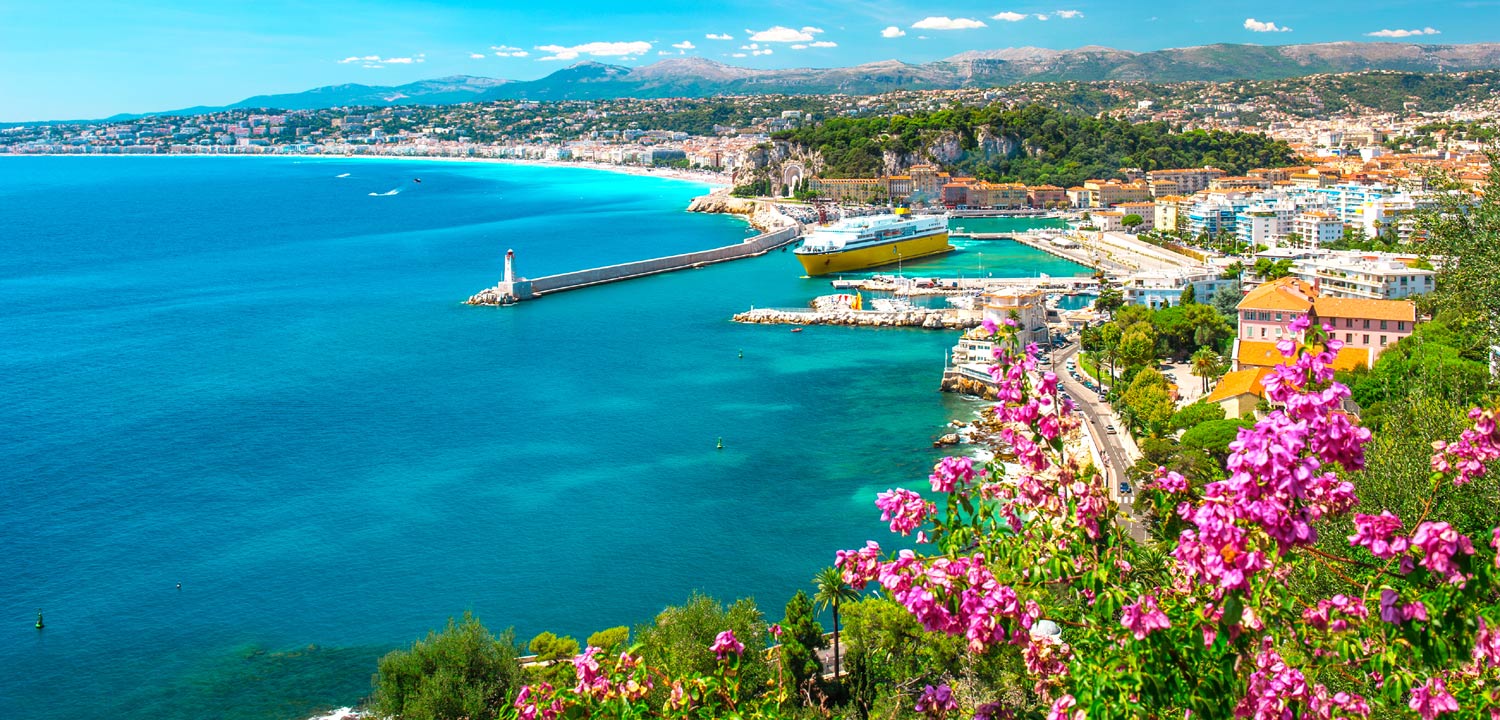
[251, 440]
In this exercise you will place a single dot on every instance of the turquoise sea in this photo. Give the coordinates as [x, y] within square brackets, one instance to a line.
[253, 377]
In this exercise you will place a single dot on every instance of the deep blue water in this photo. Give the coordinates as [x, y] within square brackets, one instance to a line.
[251, 377]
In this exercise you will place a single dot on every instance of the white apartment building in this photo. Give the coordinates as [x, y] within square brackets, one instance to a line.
[1163, 288]
[1030, 306]
[1316, 228]
[1361, 276]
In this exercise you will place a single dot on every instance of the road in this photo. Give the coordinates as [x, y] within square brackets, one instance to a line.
[1097, 414]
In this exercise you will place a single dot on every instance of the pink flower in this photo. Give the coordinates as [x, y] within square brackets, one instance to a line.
[1486, 646]
[1060, 708]
[1395, 612]
[591, 681]
[1431, 699]
[1378, 533]
[725, 644]
[1170, 481]
[989, 326]
[776, 630]
[1439, 543]
[936, 702]
[904, 509]
[859, 566]
[1478, 445]
[951, 472]
[531, 702]
[1143, 616]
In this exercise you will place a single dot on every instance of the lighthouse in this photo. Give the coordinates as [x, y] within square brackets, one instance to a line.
[510, 268]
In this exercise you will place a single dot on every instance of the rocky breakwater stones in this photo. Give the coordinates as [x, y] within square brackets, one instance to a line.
[490, 296]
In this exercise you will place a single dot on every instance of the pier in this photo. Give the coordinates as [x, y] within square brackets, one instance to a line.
[512, 289]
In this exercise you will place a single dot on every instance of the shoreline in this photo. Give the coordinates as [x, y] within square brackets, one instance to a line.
[713, 180]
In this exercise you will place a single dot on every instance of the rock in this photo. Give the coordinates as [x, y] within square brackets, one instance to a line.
[949, 439]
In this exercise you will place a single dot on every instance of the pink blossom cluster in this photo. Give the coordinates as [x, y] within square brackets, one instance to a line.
[904, 509]
[1275, 688]
[1395, 612]
[1276, 480]
[860, 566]
[1478, 445]
[1060, 708]
[1431, 699]
[1378, 534]
[591, 678]
[992, 711]
[538, 702]
[1169, 481]
[925, 586]
[936, 702]
[725, 644]
[594, 682]
[1334, 613]
[951, 473]
[1440, 543]
[1486, 646]
[1046, 658]
[1143, 617]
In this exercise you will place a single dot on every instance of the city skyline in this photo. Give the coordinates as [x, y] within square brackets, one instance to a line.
[102, 59]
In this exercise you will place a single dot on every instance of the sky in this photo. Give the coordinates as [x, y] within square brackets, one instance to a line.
[77, 59]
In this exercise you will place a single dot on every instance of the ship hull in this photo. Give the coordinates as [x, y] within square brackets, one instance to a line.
[874, 256]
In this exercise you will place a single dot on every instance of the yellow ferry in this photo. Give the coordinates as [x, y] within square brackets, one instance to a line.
[866, 242]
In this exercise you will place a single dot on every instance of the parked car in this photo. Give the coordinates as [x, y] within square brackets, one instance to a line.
[1110, 429]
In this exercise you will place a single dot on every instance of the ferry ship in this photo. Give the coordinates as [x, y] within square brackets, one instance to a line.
[866, 242]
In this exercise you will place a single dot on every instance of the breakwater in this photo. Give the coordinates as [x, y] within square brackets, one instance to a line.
[512, 289]
[929, 318]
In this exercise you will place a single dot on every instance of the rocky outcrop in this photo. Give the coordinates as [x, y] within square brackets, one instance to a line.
[490, 296]
[931, 319]
[763, 216]
[955, 383]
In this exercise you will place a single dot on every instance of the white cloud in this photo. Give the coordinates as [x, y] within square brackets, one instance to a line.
[947, 23]
[738, 55]
[751, 46]
[1404, 33]
[1254, 25]
[799, 46]
[623, 50]
[685, 45]
[375, 61]
[812, 30]
[477, 56]
[508, 51]
[660, 53]
[721, 36]
[892, 32]
[1069, 14]
[1009, 16]
[781, 34]
[824, 44]
[1043, 17]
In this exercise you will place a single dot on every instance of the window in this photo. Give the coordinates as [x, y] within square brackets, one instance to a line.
[1348, 337]
[1382, 325]
[1382, 341]
[1262, 332]
[1278, 317]
[1400, 325]
[1367, 340]
[1367, 324]
[1348, 322]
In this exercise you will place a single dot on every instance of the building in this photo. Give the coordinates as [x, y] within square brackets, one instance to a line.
[1163, 288]
[1185, 181]
[1239, 392]
[1316, 228]
[1353, 275]
[1046, 196]
[1109, 193]
[1366, 324]
[1250, 354]
[853, 190]
[1029, 307]
[1266, 311]
[1146, 210]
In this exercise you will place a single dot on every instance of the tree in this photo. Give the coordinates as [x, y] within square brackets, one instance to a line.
[611, 640]
[1465, 233]
[1149, 402]
[801, 638]
[1110, 299]
[1206, 365]
[1227, 301]
[1213, 437]
[678, 641]
[1189, 295]
[831, 591]
[1194, 415]
[1132, 221]
[553, 654]
[1233, 271]
[463, 672]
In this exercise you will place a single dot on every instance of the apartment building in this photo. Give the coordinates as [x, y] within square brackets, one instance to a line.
[1350, 275]
[1184, 181]
[1029, 307]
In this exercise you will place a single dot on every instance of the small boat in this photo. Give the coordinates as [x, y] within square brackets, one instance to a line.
[796, 329]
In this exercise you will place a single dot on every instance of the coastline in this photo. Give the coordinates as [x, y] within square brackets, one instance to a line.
[714, 180]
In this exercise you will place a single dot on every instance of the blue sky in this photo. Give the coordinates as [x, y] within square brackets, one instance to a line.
[86, 59]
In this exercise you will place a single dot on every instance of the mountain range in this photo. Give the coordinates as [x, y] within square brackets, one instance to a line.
[701, 77]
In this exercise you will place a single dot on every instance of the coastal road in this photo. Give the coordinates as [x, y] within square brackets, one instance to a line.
[1098, 415]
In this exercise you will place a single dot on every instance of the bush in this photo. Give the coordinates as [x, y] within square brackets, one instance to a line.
[461, 672]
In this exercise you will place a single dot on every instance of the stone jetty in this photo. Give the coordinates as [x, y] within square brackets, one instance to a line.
[929, 318]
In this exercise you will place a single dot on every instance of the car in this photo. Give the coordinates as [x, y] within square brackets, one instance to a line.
[1124, 488]
[1111, 429]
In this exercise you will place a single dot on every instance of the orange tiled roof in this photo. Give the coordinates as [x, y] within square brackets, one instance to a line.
[1239, 383]
[1263, 354]
[1286, 293]
[1366, 309]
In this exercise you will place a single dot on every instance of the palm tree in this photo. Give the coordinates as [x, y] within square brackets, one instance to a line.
[1206, 364]
[831, 591]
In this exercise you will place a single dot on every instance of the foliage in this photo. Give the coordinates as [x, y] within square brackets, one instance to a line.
[679, 639]
[611, 640]
[553, 654]
[1207, 365]
[759, 187]
[461, 672]
[1227, 300]
[1212, 438]
[1189, 295]
[1267, 269]
[801, 638]
[1132, 220]
[1035, 145]
[1194, 415]
[1148, 402]
[1110, 299]
[832, 592]
[1466, 235]
[1448, 353]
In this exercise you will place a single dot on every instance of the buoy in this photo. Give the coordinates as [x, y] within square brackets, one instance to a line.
[179, 586]
[742, 354]
[39, 623]
[720, 447]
